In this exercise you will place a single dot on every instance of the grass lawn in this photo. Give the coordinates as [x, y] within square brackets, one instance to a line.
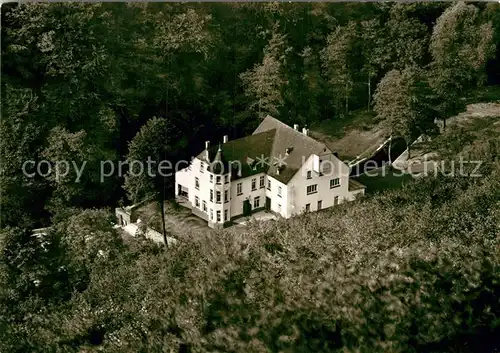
[359, 119]
[350, 136]
[377, 180]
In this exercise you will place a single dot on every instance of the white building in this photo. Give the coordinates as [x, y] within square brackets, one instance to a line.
[277, 168]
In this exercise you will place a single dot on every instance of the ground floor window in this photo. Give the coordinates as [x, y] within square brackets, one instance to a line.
[218, 216]
[225, 216]
[204, 206]
[211, 214]
[256, 202]
[308, 207]
[320, 205]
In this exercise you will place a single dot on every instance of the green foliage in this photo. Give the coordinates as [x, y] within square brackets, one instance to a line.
[380, 274]
[412, 269]
[403, 103]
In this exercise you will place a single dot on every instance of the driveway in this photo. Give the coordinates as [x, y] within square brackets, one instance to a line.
[179, 221]
[258, 216]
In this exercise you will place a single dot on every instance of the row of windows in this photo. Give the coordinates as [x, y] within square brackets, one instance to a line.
[312, 189]
[239, 186]
[218, 216]
[320, 204]
[218, 196]
[218, 213]
[218, 179]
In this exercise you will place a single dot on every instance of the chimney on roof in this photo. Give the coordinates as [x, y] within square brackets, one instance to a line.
[305, 131]
[296, 127]
[207, 146]
[225, 139]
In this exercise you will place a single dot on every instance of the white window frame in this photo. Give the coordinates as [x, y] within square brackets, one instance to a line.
[256, 202]
[312, 189]
[254, 184]
[239, 188]
[334, 183]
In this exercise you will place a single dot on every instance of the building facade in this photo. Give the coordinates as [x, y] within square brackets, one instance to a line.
[278, 168]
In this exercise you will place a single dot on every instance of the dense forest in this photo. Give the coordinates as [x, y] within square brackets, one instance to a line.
[409, 270]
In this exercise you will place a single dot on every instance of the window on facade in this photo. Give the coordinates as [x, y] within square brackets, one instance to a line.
[226, 179]
[334, 183]
[197, 183]
[211, 178]
[279, 208]
[320, 204]
[226, 196]
[312, 189]
[308, 207]
[225, 216]
[261, 182]
[217, 196]
[217, 179]
[211, 215]
[254, 182]
[202, 166]
[256, 202]
[204, 206]
[309, 174]
[211, 196]
[218, 216]
[197, 201]
[239, 188]
[279, 191]
[269, 185]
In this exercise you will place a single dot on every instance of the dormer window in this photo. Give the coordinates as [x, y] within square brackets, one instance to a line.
[288, 150]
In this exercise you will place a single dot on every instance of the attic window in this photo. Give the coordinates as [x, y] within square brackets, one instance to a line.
[289, 150]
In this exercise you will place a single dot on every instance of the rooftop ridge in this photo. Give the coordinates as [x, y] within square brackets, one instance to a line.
[295, 131]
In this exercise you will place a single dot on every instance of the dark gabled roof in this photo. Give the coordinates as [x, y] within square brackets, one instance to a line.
[302, 147]
[266, 151]
[254, 147]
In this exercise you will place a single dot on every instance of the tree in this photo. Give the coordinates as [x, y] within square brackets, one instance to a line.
[264, 82]
[153, 144]
[336, 59]
[21, 196]
[402, 101]
[460, 46]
